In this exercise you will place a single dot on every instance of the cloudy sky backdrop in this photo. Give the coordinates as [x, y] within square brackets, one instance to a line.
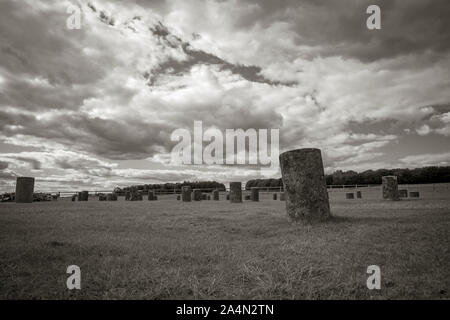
[94, 108]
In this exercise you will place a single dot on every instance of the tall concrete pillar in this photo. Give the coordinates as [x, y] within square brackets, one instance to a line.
[235, 192]
[216, 195]
[186, 194]
[254, 196]
[84, 195]
[24, 189]
[390, 187]
[197, 193]
[304, 185]
[151, 195]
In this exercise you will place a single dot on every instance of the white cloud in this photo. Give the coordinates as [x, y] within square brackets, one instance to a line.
[428, 159]
[113, 92]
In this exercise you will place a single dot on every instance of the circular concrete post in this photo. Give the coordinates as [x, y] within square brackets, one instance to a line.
[216, 195]
[390, 187]
[235, 192]
[85, 195]
[24, 189]
[304, 185]
[255, 194]
[186, 193]
[151, 195]
[197, 194]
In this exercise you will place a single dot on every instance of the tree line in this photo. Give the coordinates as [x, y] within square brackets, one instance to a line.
[171, 186]
[405, 176]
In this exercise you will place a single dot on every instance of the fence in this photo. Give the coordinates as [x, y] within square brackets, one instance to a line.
[423, 188]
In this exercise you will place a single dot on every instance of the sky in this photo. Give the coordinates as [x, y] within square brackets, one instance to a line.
[94, 108]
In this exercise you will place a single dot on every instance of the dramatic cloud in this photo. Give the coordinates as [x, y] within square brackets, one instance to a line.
[95, 107]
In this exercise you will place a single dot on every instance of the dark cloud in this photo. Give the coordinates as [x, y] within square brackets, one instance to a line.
[85, 90]
[3, 165]
[6, 175]
[199, 57]
[37, 43]
[339, 27]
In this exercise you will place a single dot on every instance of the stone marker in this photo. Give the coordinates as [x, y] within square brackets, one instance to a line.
[235, 192]
[197, 194]
[254, 196]
[135, 194]
[274, 196]
[111, 197]
[358, 194]
[186, 193]
[414, 194]
[304, 185]
[83, 196]
[390, 187]
[24, 189]
[403, 193]
[349, 195]
[151, 195]
[216, 195]
[282, 196]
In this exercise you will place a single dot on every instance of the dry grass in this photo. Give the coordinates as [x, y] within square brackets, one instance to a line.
[217, 250]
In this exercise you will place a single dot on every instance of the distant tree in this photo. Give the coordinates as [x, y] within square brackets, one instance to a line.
[405, 176]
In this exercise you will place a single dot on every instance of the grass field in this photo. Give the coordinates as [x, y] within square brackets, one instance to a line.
[218, 250]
